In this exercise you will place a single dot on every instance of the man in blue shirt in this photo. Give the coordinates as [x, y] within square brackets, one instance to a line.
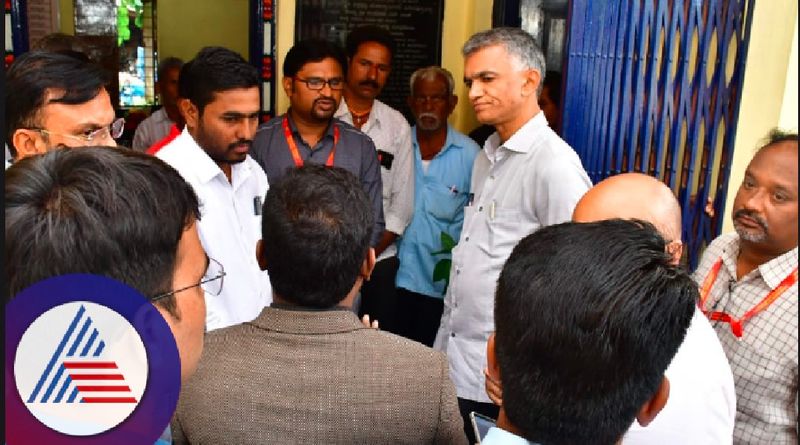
[443, 160]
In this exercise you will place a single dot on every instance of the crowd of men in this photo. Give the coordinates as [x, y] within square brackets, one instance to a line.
[566, 315]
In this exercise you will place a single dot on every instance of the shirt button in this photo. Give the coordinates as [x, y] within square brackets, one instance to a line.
[491, 177]
[452, 334]
[480, 209]
[466, 239]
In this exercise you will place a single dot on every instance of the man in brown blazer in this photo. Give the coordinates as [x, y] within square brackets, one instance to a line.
[306, 370]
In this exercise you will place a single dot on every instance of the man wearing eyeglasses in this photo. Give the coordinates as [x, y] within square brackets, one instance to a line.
[313, 78]
[221, 109]
[748, 290]
[443, 160]
[156, 251]
[54, 99]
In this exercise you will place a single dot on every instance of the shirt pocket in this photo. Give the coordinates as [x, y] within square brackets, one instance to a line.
[505, 231]
[442, 203]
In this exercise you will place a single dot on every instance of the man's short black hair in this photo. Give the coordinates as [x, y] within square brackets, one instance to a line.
[170, 63]
[312, 50]
[99, 210]
[316, 232]
[588, 317]
[214, 69]
[38, 78]
[777, 136]
[369, 33]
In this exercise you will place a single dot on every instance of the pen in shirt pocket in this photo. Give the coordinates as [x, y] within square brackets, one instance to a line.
[257, 205]
[453, 189]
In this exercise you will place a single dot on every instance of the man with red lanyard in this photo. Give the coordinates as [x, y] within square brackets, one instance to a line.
[748, 289]
[313, 78]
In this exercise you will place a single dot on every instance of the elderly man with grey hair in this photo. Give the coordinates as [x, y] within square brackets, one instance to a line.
[526, 178]
[443, 160]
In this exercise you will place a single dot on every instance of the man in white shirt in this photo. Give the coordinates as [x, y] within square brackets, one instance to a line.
[370, 50]
[588, 318]
[702, 405]
[158, 124]
[221, 111]
[525, 178]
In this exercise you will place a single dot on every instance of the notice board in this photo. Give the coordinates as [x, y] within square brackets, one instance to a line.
[416, 26]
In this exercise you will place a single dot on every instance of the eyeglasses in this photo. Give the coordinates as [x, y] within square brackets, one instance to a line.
[317, 83]
[113, 131]
[211, 282]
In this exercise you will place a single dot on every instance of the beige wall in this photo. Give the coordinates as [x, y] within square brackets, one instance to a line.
[462, 18]
[185, 26]
[769, 93]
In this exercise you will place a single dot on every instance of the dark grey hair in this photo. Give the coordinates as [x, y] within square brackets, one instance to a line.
[518, 43]
[430, 73]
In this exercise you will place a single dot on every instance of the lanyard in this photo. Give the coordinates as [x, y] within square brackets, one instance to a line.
[737, 324]
[298, 161]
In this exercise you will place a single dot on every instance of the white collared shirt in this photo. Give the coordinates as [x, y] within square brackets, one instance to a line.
[390, 132]
[701, 408]
[532, 180]
[229, 228]
[151, 130]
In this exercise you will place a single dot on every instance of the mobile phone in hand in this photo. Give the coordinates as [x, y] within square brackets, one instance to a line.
[480, 425]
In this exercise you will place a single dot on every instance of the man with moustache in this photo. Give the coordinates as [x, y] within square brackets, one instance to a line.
[370, 50]
[748, 289]
[221, 111]
[313, 78]
[526, 178]
[443, 160]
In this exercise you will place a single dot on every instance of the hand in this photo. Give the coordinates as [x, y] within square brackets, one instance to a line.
[494, 389]
[365, 321]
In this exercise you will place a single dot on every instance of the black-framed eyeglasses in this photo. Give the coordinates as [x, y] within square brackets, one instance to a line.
[318, 83]
[211, 282]
[114, 131]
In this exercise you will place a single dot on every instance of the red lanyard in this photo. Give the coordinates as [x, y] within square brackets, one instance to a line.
[737, 324]
[298, 161]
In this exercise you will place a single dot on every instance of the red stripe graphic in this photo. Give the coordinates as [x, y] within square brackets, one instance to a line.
[104, 388]
[109, 400]
[97, 377]
[90, 365]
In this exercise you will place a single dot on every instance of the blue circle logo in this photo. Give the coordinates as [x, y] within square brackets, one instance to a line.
[88, 360]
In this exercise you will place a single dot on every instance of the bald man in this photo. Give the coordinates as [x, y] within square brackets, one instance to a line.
[702, 403]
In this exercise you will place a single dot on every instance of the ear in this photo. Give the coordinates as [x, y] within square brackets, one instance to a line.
[532, 80]
[652, 407]
[287, 85]
[675, 251]
[190, 113]
[262, 261]
[28, 142]
[368, 264]
[452, 104]
[493, 367]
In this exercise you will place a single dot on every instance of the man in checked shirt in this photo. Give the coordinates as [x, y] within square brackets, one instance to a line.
[748, 289]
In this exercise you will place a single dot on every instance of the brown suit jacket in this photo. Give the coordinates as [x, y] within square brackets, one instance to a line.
[316, 377]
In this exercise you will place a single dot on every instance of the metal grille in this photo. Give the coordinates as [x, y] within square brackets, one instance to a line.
[653, 86]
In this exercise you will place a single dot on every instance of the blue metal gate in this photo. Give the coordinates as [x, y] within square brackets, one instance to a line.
[653, 86]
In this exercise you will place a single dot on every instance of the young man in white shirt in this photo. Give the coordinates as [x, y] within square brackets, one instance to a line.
[525, 178]
[221, 111]
[370, 50]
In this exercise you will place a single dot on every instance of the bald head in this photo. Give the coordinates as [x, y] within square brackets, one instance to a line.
[629, 196]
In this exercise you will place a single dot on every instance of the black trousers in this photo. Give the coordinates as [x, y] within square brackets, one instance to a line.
[379, 296]
[465, 406]
[418, 316]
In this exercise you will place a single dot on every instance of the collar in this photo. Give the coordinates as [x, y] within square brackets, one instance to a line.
[296, 133]
[202, 165]
[772, 272]
[497, 435]
[161, 115]
[292, 321]
[343, 113]
[523, 141]
[450, 140]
